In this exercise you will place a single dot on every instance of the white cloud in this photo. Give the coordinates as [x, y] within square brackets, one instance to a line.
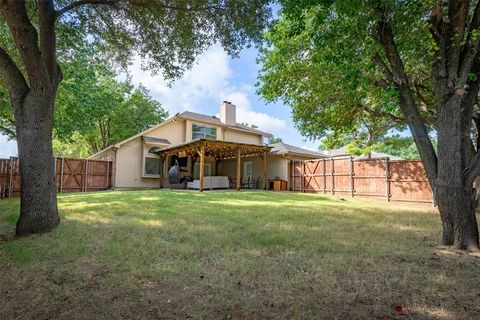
[246, 114]
[7, 147]
[208, 76]
[209, 80]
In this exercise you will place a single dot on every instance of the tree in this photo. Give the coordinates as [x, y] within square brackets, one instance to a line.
[418, 59]
[403, 147]
[273, 140]
[93, 109]
[168, 34]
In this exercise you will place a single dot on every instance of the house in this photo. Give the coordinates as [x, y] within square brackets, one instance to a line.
[201, 147]
[342, 152]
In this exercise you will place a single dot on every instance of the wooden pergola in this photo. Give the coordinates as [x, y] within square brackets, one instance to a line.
[219, 150]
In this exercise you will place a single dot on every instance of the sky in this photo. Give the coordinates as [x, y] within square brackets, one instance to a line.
[214, 78]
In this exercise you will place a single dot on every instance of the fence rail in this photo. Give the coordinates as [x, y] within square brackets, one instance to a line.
[380, 178]
[71, 175]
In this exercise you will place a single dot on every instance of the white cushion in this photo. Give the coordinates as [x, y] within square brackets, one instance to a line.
[210, 182]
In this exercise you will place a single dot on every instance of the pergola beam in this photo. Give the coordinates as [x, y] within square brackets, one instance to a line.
[239, 177]
[202, 166]
[265, 170]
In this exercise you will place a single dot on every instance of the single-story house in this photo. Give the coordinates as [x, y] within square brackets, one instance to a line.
[192, 147]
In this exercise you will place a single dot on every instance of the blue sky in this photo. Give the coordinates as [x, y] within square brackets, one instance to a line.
[214, 78]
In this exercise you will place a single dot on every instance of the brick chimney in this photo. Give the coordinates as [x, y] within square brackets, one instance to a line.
[228, 113]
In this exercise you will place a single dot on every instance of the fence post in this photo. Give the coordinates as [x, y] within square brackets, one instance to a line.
[293, 175]
[324, 177]
[301, 176]
[108, 169]
[387, 180]
[55, 172]
[351, 176]
[61, 174]
[332, 179]
[86, 176]
[10, 177]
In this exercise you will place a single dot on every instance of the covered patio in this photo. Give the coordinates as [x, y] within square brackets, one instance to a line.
[200, 149]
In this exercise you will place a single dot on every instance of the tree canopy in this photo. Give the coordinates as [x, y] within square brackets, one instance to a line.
[348, 66]
[167, 35]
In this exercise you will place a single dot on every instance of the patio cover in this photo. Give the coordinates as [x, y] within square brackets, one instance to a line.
[219, 150]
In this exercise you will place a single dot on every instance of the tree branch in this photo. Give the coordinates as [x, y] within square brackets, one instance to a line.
[457, 21]
[407, 102]
[26, 40]
[470, 52]
[472, 171]
[383, 67]
[48, 40]
[144, 4]
[14, 80]
[80, 3]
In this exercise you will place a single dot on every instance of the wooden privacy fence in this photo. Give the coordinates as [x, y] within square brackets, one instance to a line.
[380, 178]
[71, 175]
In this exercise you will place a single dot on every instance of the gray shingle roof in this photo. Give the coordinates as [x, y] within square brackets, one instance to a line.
[155, 140]
[283, 148]
[215, 121]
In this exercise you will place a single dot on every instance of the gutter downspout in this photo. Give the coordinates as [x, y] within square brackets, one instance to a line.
[114, 170]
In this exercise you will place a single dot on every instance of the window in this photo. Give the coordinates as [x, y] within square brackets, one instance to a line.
[153, 150]
[201, 132]
[151, 161]
[247, 169]
[152, 166]
[196, 170]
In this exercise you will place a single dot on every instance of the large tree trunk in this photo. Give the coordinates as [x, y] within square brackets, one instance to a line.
[38, 212]
[454, 195]
[457, 206]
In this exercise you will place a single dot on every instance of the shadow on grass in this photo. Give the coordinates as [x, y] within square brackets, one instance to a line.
[243, 255]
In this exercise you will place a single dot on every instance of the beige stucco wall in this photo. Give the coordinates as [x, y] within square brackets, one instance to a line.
[173, 131]
[242, 137]
[130, 155]
[277, 167]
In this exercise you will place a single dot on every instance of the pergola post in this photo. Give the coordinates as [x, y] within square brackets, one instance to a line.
[162, 170]
[202, 167]
[239, 157]
[265, 170]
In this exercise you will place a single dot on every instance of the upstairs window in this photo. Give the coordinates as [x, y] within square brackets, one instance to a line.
[202, 132]
[153, 150]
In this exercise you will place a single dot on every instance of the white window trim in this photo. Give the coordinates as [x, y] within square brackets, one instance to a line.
[206, 126]
[197, 165]
[146, 154]
[245, 164]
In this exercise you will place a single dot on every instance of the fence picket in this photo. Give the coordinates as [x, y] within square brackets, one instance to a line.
[93, 181]
[381, 178]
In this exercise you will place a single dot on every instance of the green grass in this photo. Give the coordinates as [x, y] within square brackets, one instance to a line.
[241, 255]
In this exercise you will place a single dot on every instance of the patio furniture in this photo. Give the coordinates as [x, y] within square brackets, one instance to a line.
[210, 182]
[277, 185]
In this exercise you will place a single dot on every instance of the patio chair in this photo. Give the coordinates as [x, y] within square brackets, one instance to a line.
[247, 182]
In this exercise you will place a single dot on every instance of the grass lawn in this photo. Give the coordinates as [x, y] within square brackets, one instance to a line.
[248, 255]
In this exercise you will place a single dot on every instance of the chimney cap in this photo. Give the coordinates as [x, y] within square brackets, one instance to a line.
[225, 101]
